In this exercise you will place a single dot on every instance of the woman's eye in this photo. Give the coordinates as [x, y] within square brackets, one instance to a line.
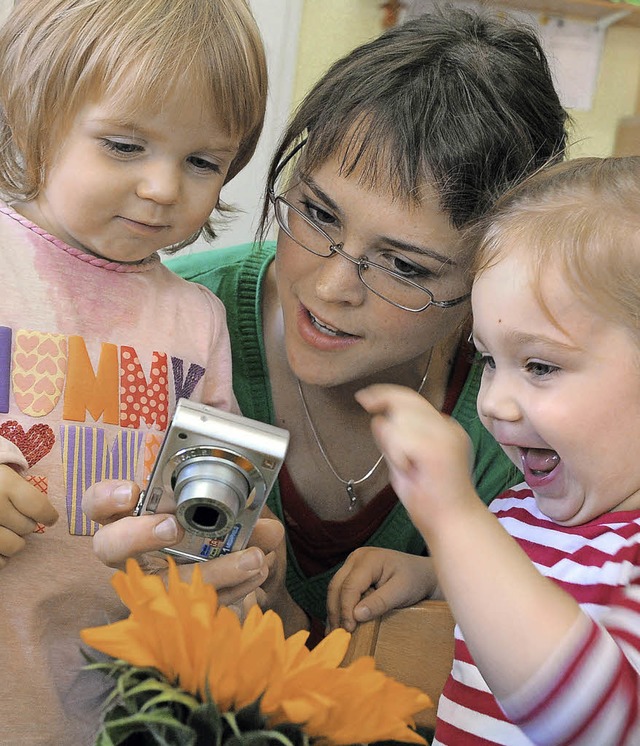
[122, 148]
[203, 164]
[539, 369]
[402, 266]
[319, 216]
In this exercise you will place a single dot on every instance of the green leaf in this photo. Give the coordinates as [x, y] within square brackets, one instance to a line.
[207, 724]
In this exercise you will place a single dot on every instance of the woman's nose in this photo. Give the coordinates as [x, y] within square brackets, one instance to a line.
[338, 281]
[159, 182]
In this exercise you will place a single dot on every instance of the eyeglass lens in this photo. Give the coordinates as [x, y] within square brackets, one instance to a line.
[385, 283]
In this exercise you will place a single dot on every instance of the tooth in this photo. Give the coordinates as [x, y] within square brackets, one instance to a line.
[323, 327]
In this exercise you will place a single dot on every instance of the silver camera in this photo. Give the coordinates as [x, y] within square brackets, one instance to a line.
[214, 470]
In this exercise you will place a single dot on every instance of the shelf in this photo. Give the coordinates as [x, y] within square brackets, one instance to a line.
[586, 10]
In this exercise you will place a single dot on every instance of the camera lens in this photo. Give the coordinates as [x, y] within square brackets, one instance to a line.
[210, 493]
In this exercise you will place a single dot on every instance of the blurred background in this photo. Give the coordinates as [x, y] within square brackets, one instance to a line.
[593, 46]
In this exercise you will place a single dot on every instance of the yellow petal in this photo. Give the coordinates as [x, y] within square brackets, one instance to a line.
[181, 631]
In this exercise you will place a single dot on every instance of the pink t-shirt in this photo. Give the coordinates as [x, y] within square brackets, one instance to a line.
[93, 356]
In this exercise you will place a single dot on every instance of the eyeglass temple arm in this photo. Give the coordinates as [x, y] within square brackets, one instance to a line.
[282, 165]
[450, 303]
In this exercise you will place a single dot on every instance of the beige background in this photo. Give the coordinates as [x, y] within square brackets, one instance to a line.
[303, 37]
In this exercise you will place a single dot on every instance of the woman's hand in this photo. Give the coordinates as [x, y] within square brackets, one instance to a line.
[235, 575]
[373, 581]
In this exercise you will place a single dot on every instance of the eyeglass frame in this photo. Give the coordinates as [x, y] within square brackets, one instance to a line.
[338, 248]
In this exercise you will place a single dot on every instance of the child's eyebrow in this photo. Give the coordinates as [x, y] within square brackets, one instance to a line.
[524, 338]
[224, 146]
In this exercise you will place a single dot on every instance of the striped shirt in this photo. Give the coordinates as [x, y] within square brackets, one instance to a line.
[594, 699]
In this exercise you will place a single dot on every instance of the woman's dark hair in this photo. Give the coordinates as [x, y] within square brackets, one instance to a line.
[454, 98]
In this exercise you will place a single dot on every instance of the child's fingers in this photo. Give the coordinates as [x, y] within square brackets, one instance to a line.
[32, 503]
[13, 520]
[361, 571]
[388, 398]
[18, 497]
[10, 544]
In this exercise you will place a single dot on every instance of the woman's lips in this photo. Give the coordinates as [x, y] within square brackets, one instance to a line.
[321, 335]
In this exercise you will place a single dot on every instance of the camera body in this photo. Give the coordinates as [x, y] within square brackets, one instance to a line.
[214, 470]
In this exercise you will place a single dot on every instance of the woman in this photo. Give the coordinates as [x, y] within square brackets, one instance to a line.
[400, 145]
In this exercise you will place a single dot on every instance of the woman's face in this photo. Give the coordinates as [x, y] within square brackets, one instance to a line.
[338, 331]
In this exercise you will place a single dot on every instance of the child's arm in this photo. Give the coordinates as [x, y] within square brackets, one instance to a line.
[22, 506]
[513, 619]
[373, 581]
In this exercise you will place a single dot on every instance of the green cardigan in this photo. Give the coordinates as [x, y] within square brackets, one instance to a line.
[235, 275]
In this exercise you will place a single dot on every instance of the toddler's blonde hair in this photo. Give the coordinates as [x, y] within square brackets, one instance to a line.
[58, 55]
[580, 218]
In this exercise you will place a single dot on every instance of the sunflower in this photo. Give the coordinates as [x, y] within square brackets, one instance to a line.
[180, 658]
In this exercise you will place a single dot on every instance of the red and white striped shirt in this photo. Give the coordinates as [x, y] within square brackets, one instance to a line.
[594, 699]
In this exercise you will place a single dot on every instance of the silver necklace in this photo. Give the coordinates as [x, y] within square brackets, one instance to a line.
[350, 484]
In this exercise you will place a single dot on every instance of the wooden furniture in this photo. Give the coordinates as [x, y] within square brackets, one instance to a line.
[414, 645]
[602, 11]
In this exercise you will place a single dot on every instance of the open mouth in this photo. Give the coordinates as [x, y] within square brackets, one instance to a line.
[539, 462]
[325, 329]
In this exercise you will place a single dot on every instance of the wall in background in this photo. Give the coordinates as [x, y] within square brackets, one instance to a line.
[330, 28]
[616, 93]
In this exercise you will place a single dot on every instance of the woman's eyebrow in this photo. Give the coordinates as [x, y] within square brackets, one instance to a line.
[320, 194]
[422, 250]
[388, 240]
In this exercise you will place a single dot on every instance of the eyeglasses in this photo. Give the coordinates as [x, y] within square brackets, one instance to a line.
[391, 286]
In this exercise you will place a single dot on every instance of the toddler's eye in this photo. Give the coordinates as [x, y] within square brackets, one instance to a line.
[202, 164]
[539, 369]
[122, 148]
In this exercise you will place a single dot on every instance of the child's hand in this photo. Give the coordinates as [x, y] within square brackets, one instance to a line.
[373, 581]
[22, 507]
[429, 454]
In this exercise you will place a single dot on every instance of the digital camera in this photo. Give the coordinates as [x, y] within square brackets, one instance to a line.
[214, 470]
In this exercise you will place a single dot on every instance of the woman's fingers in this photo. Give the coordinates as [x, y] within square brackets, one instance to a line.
[133, 535]
[110, 500]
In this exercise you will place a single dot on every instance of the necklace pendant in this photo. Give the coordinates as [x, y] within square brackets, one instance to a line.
[352, 495]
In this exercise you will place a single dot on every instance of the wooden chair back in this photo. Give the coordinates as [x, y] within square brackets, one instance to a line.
[414, 645]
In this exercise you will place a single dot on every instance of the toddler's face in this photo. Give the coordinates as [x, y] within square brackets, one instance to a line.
[564, 403]
[122, 187]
